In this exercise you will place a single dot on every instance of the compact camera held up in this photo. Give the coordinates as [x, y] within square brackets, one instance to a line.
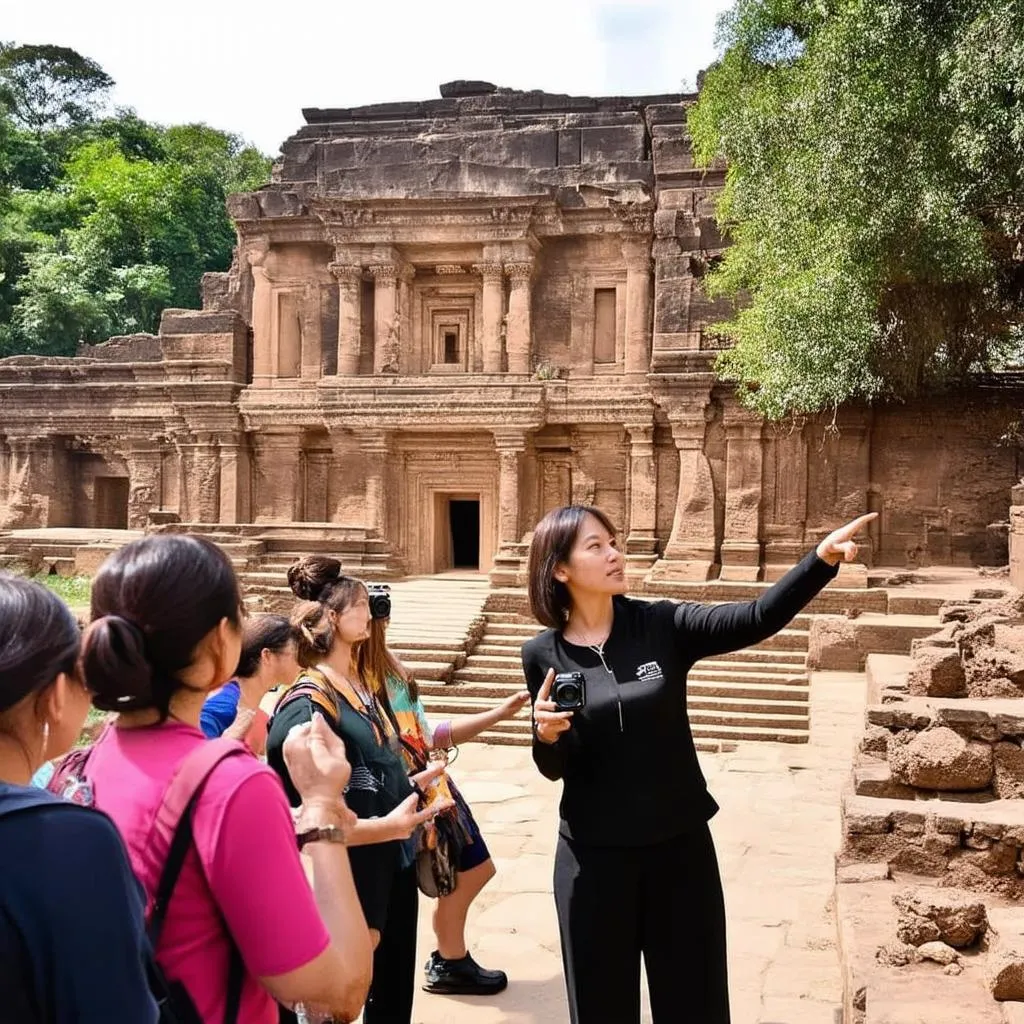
[569, 691]
[380, 600]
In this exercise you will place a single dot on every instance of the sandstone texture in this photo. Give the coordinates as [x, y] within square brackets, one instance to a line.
[940, 759]
[927, 916]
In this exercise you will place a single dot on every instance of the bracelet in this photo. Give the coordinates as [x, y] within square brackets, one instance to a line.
[324, 833]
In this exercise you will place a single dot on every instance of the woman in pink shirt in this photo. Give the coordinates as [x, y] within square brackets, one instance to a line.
[165, 631]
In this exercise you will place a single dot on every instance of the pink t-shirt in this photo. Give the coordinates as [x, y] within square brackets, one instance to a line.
[247, 872]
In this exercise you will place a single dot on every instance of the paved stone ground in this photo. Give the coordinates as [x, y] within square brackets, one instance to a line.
[776, 835]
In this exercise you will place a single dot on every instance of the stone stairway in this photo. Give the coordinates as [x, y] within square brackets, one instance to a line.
[757, 694]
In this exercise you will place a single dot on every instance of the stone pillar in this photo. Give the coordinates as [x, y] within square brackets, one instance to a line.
[744, 472]
[376, 448]
[385, 317]
[5, 470]
[145, 471]
[263, 371]
[278, 477]
[641, 543]
[493, 309]
[312, 355]
[637, 254]
[28, 496]
[690, 552]
[785, 508]
[233, 480]
[518, 339]
[510, 448]
[350, 316]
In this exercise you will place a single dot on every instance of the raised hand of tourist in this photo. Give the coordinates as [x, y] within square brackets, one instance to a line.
[316, 762]
[839, 545]
[511, 706]
[244, 718]
[406, 818]
[548, 722]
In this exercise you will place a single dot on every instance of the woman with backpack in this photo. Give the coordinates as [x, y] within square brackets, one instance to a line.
[334, 616]
[72, 938]
[457, 876]
[241, 930]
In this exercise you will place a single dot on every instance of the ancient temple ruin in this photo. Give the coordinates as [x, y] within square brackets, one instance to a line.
[446, 317]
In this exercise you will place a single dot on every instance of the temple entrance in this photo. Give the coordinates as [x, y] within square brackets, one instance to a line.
[456, 532]
[111, 502]
[464, 522]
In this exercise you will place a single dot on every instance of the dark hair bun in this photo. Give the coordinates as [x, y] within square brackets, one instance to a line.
[114, 665]
[311, 576]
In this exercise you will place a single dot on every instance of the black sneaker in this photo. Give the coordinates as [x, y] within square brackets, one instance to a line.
[463, 977]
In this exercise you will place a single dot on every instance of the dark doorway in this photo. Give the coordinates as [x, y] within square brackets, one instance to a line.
[112, 502]
[464, 518]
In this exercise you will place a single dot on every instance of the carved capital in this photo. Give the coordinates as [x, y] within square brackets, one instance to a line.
[256, 250]
[490, 272]
[384, 272]
[640, 433]
[346, 272]
[637, 218]
[509, 442]
[519, 274]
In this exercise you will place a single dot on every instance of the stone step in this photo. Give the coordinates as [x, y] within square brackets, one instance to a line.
[747, 719]
[777, 710]
[773, 734]
[493, 693]
[780, 663]
[788, 640]
[509, 671]
[760, 693]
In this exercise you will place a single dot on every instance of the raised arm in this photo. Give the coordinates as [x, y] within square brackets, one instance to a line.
[716, 629]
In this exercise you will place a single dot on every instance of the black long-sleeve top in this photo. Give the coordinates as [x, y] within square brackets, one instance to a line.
[628, 763]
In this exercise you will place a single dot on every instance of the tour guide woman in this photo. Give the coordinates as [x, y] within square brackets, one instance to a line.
[635, 868]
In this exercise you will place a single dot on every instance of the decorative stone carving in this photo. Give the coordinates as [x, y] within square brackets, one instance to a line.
[448, 269]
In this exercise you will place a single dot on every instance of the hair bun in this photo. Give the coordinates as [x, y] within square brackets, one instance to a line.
[115, 668]
[309, 577]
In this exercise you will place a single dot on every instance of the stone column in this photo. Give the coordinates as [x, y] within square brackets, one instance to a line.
[690, 552]
[311, 360]
[145, 471]
[350, 316]
[385, 316]
[376, 448]
[492, 311]
[643, 495]
[5, 470]
[263, 371]
[278, 478]
[518, 335]
[510, 448]
[744, 472]
[637, 254]
[206, 472]
[233, 480]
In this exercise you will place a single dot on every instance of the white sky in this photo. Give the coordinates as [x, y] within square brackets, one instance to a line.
[251, 67]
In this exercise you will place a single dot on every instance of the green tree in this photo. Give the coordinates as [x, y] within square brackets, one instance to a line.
[873, 195]
[46, 87]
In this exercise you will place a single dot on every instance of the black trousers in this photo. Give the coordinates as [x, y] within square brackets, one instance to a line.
[394, 961]
[662, 902]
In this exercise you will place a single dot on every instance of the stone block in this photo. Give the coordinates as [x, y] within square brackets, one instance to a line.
[876, 779]
[939, 952]
[970, 722]
[1008, 760]
[937, 673]
[832, 645]
[1005, 966]
[857, 823]
[929, 915]
[862, 872]
[940, 759]
[875, 740]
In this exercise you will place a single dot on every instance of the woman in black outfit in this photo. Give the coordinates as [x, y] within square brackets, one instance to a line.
[635, 870]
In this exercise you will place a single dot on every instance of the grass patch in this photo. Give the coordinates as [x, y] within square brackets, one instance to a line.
[74, 590]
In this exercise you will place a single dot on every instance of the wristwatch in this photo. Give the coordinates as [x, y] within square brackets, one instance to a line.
[325, 834]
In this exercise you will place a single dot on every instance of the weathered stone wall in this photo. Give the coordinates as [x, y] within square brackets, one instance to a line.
[496, 295]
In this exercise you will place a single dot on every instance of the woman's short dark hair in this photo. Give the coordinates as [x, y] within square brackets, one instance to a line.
[153, 601]
[322, 587]
[263, 633]
[39, 639]
[552, 544]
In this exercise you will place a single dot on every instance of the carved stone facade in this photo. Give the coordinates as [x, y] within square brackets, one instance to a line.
[447, 317]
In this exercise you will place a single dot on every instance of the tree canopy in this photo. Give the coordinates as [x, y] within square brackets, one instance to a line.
[873, 196]
[105, 219]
